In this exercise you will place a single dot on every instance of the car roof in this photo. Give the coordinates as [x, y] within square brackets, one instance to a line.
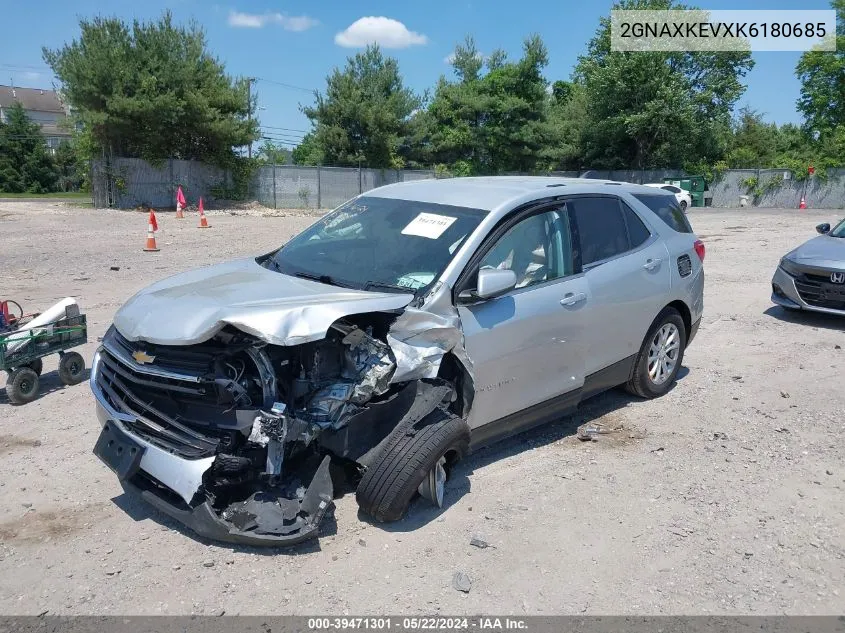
[491, 192]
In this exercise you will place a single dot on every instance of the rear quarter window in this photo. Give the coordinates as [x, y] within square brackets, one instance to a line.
[667, 209]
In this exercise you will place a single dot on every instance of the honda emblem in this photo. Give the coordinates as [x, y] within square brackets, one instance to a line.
[837, 278]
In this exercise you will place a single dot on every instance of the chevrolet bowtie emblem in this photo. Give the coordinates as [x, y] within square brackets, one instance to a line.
[142, 358]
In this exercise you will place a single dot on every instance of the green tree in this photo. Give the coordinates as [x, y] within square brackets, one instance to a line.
[822, 76]
[653, 109]
[152, 90]
[271, 153]
[25, 164]
[364, 114]
[754, 142]
[308, 151]
[567, 119]
[490, 122]
[70, 170]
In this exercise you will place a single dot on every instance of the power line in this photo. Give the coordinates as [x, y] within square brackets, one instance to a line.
[280, 141]
[24, 67]
[282, 136]
[284, 85]
[289, 129]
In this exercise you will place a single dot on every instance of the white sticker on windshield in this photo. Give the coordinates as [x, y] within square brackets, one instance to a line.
[428, 225]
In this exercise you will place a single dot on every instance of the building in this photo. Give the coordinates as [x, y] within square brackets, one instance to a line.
[43, 107]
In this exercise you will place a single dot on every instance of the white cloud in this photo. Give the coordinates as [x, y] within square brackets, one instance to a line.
[380, 30]
[295, 23]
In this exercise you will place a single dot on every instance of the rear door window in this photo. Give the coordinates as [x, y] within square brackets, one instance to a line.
[637, 231]
[601, 227]
[667, 209]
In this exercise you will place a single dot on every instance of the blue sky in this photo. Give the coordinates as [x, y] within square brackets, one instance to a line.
[298, 43]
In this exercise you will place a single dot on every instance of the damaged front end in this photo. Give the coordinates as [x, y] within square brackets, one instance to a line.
[244, 441]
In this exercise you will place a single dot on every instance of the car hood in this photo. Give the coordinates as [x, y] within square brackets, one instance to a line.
[822, 251]
[191, 307]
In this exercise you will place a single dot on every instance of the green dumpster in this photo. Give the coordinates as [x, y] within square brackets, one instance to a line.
[696, 185]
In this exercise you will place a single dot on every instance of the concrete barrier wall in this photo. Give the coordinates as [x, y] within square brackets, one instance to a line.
[818, 193]
[132, 182]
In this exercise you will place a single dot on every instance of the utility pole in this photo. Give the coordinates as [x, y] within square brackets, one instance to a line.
[249, 81]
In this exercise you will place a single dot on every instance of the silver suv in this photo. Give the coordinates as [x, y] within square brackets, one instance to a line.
[375, 349]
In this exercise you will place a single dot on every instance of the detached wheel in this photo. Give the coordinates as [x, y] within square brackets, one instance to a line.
[415, 460]
[660, 356]
[22, 386]
[71, 368]
[37, 366]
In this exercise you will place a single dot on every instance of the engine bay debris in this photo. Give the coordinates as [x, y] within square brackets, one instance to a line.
[268, 418]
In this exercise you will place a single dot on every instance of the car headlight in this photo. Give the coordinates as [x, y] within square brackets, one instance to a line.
[789, 267]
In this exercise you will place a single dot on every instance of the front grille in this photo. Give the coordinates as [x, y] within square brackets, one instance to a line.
[192, 360]
[155, 403]
[812, 292]
[174, 400]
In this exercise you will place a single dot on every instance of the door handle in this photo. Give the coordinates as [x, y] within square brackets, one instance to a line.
[651, 264]
[570, 299]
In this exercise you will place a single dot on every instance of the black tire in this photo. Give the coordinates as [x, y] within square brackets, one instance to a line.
[37, 366]
[641, 383]
[389, 485]
[71, 368]
[22, 386]
[684, 206]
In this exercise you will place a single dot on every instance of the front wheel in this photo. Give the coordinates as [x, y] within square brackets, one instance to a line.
[684, 206]
[660, 356]
[415, 461]
[22, 385]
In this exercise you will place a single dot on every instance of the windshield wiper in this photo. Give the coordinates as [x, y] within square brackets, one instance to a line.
[387, 286]
[323, 279]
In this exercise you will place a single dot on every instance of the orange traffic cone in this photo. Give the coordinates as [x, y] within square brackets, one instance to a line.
[152, 227]
[803, 204]
[203, 221]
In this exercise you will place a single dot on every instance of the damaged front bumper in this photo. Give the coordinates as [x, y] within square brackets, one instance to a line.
[173, 484]
[298, 524]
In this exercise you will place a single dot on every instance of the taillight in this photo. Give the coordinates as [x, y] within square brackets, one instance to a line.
[699, 249]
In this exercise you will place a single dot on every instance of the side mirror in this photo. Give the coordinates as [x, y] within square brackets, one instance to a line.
[491, 282]
[823, 228]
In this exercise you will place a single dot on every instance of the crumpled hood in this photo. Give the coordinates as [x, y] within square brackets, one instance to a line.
[822, 251]
[191, 307]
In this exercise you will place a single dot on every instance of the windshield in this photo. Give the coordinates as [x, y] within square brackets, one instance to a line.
[839, 230]
[379, 244]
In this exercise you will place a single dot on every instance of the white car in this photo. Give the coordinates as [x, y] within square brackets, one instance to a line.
[681, 195]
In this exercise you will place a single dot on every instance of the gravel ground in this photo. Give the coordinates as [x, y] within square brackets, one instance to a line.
[725, 496]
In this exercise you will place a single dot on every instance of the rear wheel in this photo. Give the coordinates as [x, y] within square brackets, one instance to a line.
[660, 356]
[415, 460]
[684, 206]
[22, 385]
[71, 368]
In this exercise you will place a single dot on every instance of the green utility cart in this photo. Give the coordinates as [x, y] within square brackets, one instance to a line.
[696, 185]
[21, 353]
